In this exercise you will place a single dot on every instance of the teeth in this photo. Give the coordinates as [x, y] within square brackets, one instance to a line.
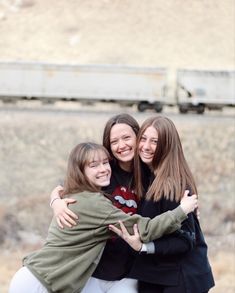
[103, 176]
[124, 152]
[147, 155]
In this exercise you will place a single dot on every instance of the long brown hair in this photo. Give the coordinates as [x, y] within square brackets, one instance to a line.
[80, 156]
[118, 119]
[171, 171]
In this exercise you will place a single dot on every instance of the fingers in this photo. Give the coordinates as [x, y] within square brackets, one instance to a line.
[72, 216]
[59, 187]
[136, 231]
[123, 228]
[64, 216]
[189, 203]
[68, 218]
[186, 193]
[70, 200]
[195, 195]
[56, 191]
[70, 213]
[123, 233]
[59, 223]
[115, 230]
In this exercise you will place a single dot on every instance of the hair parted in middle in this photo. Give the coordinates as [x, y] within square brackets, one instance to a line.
[81, 155]
[172, 175]
[122, 118]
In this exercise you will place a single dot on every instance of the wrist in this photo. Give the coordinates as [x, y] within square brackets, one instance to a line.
[141, 245]
[147, 248]
[53, 200]
[143, 249]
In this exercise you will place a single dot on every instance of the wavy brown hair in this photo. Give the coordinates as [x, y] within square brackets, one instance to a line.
[118, 119]
[80, 156]
[172, 173]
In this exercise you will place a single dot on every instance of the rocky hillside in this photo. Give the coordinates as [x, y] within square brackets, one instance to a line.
[192, 34]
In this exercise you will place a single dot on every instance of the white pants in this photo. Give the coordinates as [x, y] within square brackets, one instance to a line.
[24, 281]
[125, 285]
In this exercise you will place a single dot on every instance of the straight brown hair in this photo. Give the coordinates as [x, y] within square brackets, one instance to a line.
[80, 156]
[122, 118]
[172, 173]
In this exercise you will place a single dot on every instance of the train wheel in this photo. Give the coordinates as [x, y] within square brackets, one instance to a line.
[183, 109]
[142, 106]
[158, 107]
[200, 109]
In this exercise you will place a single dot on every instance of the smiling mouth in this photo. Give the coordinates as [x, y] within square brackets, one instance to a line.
[146, 155]
[105, 177]
[126, 152]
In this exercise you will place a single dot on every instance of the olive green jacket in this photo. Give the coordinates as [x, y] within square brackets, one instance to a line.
[70, 255]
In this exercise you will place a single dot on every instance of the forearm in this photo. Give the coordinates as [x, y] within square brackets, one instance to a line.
[150, 229]
[179, 242]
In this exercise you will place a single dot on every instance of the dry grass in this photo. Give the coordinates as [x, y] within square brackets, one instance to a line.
[34, 145]
[223, 265]
[42, 147]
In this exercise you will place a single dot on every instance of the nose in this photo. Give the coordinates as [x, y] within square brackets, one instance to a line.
[121, 144]
[102, 168]
[146, 145]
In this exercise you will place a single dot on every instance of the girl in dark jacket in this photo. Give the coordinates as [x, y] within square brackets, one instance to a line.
[176, 263]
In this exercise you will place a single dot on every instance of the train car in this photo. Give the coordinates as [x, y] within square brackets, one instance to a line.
[201, 89]
[126, 85]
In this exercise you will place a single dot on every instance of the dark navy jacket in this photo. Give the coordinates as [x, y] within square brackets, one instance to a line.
[183, 252]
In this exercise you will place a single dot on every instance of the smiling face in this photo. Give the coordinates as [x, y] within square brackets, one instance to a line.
[148, 144]
[98, 170]
[122, 143]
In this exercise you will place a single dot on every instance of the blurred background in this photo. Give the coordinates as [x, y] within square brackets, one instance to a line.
[37, 137]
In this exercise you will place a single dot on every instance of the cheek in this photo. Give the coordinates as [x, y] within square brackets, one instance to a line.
[140, 147]
[154, 147]
[113, 148]
[134, 143]
[114, 151]
[88, 173]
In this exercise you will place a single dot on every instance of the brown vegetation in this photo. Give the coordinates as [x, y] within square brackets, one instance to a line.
[34, 149]
[35, 141]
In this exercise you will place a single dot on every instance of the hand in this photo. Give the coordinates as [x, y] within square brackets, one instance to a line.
[56, 192]
[133, 240]
[64, 216]
[189, 203]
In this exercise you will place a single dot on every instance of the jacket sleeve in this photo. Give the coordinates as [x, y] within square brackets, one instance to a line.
[149, 229]
[179, 242]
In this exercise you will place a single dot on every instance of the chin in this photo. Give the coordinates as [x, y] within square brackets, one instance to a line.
[105, 183]
[147, 162]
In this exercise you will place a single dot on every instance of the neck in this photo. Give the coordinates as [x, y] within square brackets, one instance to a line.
[126, 166]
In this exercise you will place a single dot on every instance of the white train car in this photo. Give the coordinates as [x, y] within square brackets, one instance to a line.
[201, 89]
[145, 87]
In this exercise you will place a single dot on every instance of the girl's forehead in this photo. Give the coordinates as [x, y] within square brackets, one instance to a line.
[97, 155]
[150, 130]
[120, 127]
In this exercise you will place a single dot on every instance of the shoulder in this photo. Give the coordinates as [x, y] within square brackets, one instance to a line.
[89, 201]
